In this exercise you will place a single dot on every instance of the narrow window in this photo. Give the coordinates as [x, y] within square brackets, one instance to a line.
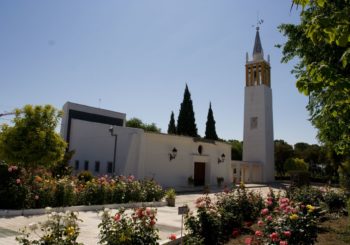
[109, 167]
[253, 122]
[76, 167]
[86, 165]
[97, 166]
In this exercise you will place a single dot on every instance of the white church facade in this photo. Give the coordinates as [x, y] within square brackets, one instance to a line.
[104, 145]
[169, 159]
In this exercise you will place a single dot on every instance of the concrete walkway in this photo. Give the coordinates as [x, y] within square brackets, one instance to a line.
[168, 219]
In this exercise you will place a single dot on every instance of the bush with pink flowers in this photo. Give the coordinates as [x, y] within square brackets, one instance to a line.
[20, 189]
[135, 229]
[287, 223]
[218, 222]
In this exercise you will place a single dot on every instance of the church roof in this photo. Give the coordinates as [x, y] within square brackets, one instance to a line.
[258, 53]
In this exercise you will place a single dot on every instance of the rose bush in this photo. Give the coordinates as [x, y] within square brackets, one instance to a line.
[59, 229]
[135, 229]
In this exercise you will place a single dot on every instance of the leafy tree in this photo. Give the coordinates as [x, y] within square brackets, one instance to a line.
[321, 41]
[32, 141]
[293, 164]
[236, 149]
[283, 151]
[186, 124]
[172, 126]
[137, 123]
[63, 168]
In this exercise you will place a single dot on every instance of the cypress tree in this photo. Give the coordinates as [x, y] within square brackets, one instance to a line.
[210, 131]
[186, 124]
[171, 126]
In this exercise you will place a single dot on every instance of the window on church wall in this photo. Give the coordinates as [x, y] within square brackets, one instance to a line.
[86, 165]
[253, 122]
[109, 167]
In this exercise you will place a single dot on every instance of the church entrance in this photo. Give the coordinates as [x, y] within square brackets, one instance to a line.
[199, 173]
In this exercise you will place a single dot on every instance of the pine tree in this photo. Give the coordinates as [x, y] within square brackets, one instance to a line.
[210, 131]
[186, 124]
[172, 126]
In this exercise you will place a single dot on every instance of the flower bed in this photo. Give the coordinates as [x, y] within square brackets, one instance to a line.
[20, 190]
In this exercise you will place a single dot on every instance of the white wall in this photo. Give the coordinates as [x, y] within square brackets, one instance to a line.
[258, 143]
[155, 158]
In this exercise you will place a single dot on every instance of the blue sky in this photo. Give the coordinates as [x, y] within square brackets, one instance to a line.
[136, 57]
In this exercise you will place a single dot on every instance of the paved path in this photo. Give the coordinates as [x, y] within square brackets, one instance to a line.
[168, 219]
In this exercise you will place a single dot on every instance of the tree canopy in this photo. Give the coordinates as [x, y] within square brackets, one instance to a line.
[210, 130]
[32, 140]
[172, 126]
[186, 123]
[137, 123]
[321, 41]
[283, 151]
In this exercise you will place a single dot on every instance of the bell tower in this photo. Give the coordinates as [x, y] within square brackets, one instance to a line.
[258, 145]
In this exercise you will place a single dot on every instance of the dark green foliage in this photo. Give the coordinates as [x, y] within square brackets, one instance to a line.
[299, 178]
[85, 176]
[186, 123]
[62, 168]
[32, 141]
[305, 195]
[137, 123]
[283, 151]
[172, 126]
[321, 44]
[236, 149]
[210, 131]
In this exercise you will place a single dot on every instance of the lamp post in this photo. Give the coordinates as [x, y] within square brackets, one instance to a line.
[111, 130]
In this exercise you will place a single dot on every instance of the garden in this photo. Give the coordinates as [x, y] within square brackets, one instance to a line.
[20, 189]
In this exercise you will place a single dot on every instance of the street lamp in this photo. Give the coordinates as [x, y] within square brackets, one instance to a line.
[111, 130]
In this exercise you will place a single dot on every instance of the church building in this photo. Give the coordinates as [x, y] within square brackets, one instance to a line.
[104, 145]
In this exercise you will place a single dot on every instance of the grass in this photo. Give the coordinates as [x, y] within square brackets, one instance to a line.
[334, 231]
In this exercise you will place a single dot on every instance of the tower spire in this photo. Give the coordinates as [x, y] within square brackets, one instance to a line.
[258, 53]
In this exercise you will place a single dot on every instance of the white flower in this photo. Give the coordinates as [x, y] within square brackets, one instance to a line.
[33, 226]
[48, 209]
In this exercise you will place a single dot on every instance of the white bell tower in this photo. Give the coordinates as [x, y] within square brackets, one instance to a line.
[258, 142]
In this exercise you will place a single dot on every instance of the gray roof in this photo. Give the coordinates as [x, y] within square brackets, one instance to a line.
[258, 53]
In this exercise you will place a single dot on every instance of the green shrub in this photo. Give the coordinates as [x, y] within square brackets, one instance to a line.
[336, 201]
[64, 194]
[299, 178]
[93, 193]
[119, 190]
[206, 224]
[153, 191]
[134, 192]
[59, 229]
[139, 229]
[306, 195]
[85, 176]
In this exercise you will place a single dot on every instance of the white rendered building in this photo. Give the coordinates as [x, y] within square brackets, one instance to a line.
[169, 159]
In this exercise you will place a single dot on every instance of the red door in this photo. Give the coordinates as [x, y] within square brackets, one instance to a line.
[199, 173]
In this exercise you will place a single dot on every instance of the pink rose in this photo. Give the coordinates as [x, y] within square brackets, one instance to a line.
[269, 218]
[235, 232]
[274, 236]
[287, 233]
[265, 211]
[248, 241]
[172, 237]
[153, 222]
[117, 217]
[18, 181]
[269, 203]
[260, 223]
[9, 169]
[36, 197]
[258, 233]
[283, 243]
